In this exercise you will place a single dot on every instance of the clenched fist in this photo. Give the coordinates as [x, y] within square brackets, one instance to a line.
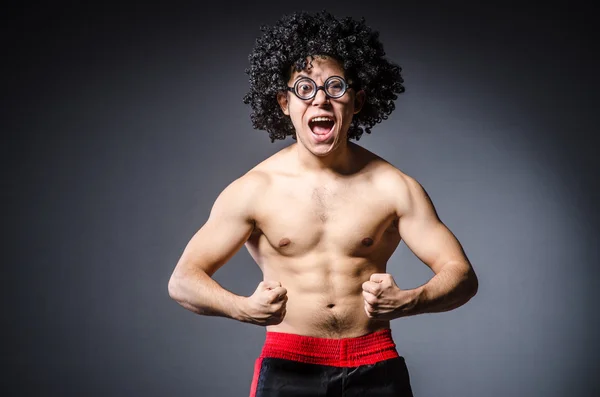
[266, 306]
[382, 297]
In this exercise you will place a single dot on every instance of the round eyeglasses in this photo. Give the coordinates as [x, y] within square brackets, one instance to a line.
[305, 88]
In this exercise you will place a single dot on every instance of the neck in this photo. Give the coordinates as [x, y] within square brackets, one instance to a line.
[338, 161]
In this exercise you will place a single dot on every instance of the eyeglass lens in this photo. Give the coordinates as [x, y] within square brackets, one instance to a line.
[306, 88]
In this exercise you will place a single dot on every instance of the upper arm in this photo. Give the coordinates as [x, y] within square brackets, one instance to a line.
[422, 230]
[228, 227]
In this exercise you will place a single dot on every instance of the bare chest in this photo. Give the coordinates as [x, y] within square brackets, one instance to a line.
[348, 219]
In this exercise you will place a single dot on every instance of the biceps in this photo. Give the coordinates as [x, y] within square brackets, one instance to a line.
[431, 241]
[214, 244]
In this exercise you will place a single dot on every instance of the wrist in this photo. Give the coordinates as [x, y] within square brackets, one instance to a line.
[240, 309]
[408, 301]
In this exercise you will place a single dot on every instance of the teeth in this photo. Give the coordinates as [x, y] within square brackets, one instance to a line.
[321, 119]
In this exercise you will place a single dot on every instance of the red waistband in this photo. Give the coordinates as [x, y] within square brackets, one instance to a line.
[347, 352]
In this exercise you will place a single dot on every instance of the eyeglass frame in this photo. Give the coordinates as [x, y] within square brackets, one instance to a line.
[320, 87]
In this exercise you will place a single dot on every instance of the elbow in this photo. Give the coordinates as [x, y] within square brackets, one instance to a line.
[465, 292]
[467, 288]
[472, 286]
[174, 288]
[180, 292]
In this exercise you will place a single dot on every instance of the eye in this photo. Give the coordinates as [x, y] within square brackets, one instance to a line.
[304, 87]
[335, 86]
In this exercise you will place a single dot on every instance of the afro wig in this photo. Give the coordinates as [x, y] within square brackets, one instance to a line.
[298, 36]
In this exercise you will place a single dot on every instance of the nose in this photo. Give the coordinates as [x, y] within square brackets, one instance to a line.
[321, 97]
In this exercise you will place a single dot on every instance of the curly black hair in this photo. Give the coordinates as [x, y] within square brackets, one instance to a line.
[300, 35]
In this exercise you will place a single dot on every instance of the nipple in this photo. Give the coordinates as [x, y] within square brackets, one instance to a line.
[284, 241]
[367, 241]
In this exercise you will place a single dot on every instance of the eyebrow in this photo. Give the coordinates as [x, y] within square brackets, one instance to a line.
[300, 76]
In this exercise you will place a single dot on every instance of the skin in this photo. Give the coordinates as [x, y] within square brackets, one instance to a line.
[321, 220]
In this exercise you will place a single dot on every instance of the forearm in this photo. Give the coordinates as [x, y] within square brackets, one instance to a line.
[449, 289]
[199, 293]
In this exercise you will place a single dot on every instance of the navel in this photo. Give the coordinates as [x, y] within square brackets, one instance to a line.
[284, 242]
[331, 305]
[367, 241]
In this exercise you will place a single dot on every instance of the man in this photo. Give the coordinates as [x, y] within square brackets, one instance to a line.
[321, 218]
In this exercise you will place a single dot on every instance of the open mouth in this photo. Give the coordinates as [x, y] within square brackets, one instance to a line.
[321, 127]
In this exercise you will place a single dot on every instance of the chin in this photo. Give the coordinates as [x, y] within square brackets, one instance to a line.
[324, 149]
[321, 152]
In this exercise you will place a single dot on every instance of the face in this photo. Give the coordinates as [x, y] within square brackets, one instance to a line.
[321, 123]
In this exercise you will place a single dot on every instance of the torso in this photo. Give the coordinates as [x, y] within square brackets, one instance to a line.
[322, 238]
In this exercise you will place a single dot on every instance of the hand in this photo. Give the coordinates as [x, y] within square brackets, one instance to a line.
[267, 305]
[382, 297]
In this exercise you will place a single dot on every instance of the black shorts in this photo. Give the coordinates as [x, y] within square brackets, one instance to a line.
[294, 365]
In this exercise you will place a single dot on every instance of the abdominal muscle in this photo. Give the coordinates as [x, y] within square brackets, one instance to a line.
[324, 299]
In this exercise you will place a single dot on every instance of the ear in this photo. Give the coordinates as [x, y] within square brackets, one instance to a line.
[359, 101]
[282, 99]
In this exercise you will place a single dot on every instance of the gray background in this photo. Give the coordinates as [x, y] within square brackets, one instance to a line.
[122, 125]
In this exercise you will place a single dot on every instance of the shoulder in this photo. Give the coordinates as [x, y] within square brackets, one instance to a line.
[240, 196]
[243, 194]
[403, 191]
[260, 177]
[246, 188]
[385, 175]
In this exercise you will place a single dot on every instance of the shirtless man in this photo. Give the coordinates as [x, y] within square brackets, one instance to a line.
[321, 218]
